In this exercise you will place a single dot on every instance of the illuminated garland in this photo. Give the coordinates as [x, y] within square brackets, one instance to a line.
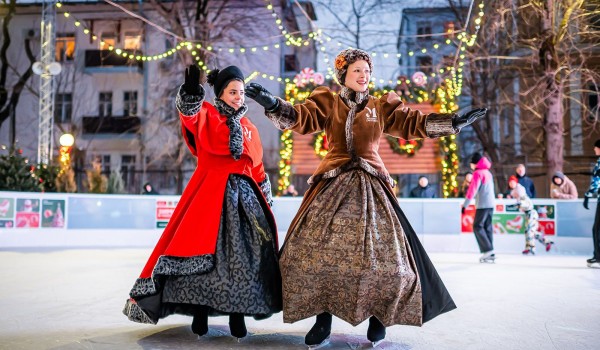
[404, 147]
[293, 94]
[320, 144]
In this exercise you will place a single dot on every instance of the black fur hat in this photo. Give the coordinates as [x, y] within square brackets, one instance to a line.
[219, 79]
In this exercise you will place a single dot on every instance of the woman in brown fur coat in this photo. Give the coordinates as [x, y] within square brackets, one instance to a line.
[350, 251]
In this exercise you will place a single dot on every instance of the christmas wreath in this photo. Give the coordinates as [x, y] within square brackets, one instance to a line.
[320, 144]
[404, 147]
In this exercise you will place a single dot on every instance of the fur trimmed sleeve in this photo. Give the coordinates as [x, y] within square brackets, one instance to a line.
[438, 125]
[284, 116]
[304, 118]
[189, 105]
[404, 122]
[265, 187]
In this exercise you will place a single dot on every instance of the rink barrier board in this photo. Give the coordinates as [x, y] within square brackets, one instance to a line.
[42, 219]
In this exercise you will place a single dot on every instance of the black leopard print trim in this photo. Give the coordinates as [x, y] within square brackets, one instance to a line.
[189, 105]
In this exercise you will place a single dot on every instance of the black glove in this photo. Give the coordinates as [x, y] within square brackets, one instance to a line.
[191, 85]
[471, 116]
[586, 201]
[262, 96]
[462, 210]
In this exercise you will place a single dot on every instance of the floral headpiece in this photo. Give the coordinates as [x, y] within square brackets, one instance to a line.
[346, 58]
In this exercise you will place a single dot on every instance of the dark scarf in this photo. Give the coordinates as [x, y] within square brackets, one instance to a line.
[236, 137]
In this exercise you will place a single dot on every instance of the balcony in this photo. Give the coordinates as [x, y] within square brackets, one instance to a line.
[110, 125]
[110, 61]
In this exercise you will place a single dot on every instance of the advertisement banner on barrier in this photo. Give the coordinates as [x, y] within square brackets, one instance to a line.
[508, 219]
[28, 212]
[164, 211]
[53, 213]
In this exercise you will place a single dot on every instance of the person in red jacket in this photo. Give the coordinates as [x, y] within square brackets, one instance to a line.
[218, 254]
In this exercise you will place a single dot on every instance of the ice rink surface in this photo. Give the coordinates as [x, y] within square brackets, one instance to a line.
[72, 299]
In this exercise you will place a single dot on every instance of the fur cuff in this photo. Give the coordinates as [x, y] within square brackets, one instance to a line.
[284, 116]
[189, 105]
[265, 187]
[438, 125]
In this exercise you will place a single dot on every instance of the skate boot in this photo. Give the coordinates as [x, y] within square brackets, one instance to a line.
[528, 251]
[376, 331]
[549, 245]
[200, 322]
[318, 336]
[237, 326]
[593, 262]
[488, 257]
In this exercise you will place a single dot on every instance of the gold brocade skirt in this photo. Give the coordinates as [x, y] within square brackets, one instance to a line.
[348, 255]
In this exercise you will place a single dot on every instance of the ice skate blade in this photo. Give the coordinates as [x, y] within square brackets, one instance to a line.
[318, 346]
[376, 343]
[487, 261]
[594, 265]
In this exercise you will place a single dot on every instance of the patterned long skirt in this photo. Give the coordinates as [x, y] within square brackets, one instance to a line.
[246, 277]
[348, 255]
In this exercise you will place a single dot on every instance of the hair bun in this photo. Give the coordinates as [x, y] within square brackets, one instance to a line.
[211, 78]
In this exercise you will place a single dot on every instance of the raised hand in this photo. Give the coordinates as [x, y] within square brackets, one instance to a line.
[262, 96]
[191, 83]
[471, 116]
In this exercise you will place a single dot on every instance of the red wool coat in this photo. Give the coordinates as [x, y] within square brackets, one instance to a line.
[194, 226]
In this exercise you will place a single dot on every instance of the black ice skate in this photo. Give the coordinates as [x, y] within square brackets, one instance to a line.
[376, 331]
[200, 322]
[237, 326]
[318, 336]
[593, 263]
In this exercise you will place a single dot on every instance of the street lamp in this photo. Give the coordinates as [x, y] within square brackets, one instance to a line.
[66, 143]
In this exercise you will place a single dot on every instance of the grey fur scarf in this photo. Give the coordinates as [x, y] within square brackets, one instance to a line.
[236, 136]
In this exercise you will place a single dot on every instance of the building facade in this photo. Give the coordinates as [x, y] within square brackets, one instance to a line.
[121, 71]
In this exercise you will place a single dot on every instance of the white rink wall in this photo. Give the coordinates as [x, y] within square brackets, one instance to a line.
[89, 220]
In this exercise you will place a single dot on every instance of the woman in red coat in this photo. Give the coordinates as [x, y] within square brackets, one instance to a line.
[218, 254]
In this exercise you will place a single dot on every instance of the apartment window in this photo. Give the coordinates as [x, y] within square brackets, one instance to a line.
[449, 29]
[130, 103]
[107, 39]
[132, 41]
[128, 169]
[424, 64]
[448, 61]
[290, 63]
[104, 161]
[424, 28]
[65, 47]
[105, 104]
[63, 108]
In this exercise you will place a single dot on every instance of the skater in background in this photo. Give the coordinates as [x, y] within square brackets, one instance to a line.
[465, 185]
[350, 251]
[423, 189]
[562, 187]
[149, 189]
[532, 226]
[482, 191]
[525, 180]
[218, 254]
[593, 192]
